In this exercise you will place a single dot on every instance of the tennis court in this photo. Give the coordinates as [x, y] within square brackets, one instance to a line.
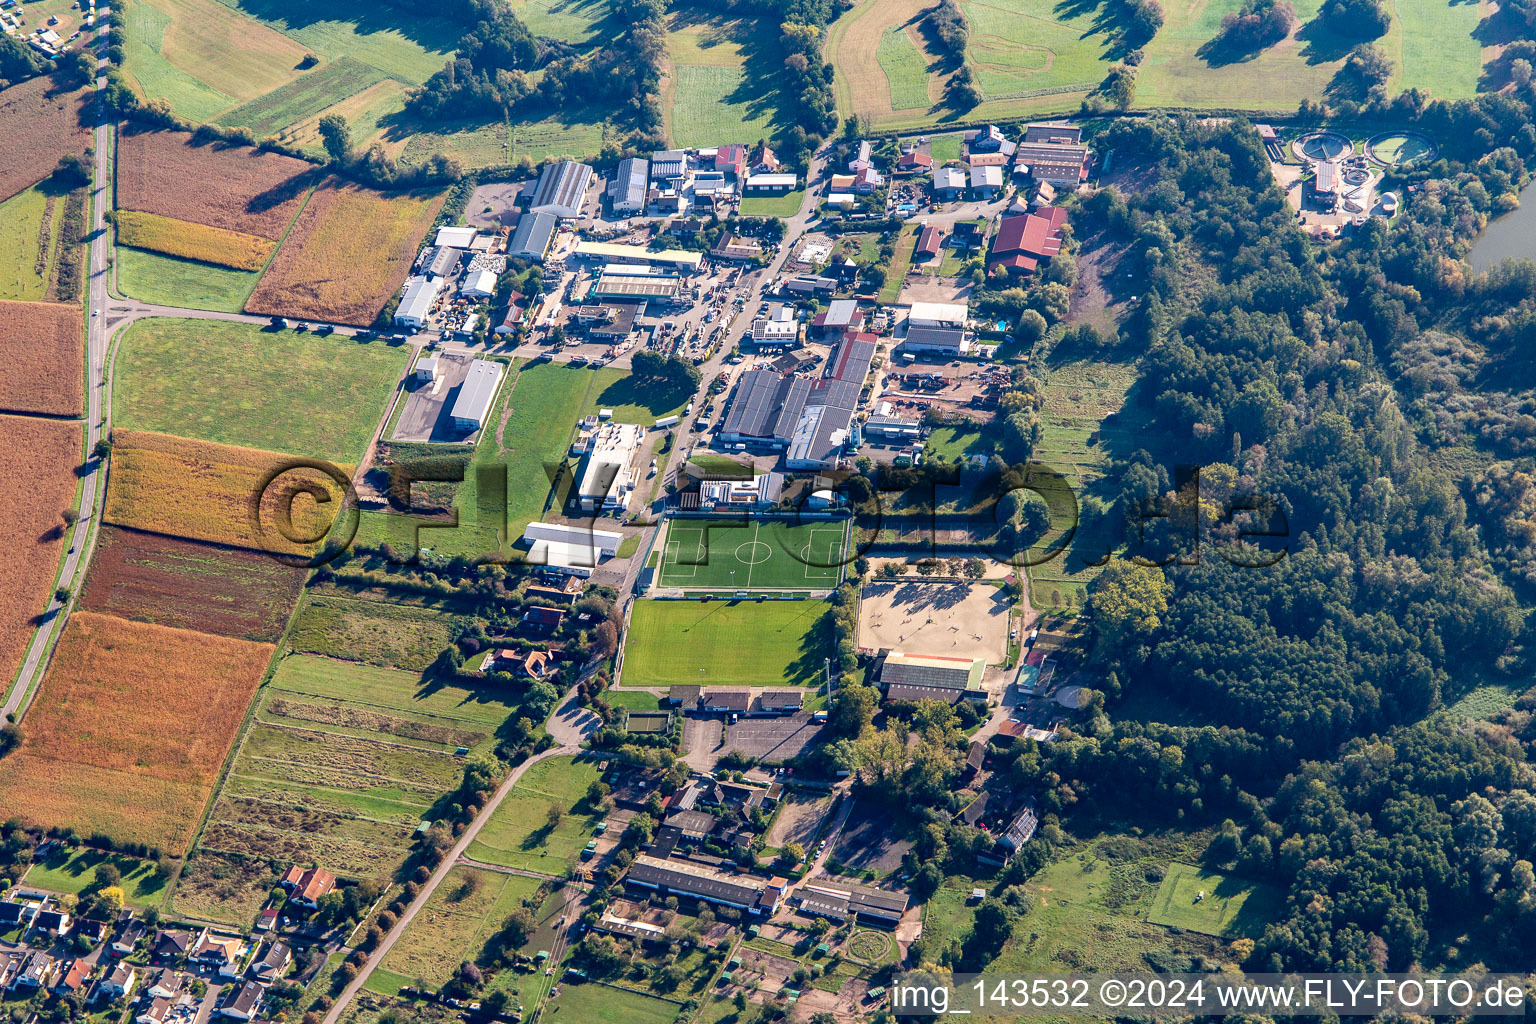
[739, 554]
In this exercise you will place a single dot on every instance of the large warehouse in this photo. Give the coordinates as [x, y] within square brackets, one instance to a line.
[473, 406]
[562, 189]
[807, 419]
[533, 235]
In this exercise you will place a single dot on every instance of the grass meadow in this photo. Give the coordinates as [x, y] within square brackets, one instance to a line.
[372, 632]
[1439, 49]
[29, 240]
[519, 834]
[74, 870]
[310, 395]
[906, 69]
[740, 643]
[304, 97]
[602, 1004]
[189, 241]
[571, 21]
[784, 206]
[466, 910]
[168, 281]
[1229, 907]
[721, 85]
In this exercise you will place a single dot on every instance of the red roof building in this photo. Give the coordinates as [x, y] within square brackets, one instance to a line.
[1023, 243]
[913, 162]
[732, 160]
[929, 241]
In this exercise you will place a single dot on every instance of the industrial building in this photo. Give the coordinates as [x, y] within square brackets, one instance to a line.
[532, 236]
[946, 341]
[622, 284]
[416, 303]
[478, 284]
[562, 189]
[948, 182]
[669, 165]
[680, 260]
[627, 189]
[779, 329]
[454, 237]
[572, 550]
[770, 184]
[809, 420]
[609, 470]
[986, 181]
[473, 406]
[937, 314]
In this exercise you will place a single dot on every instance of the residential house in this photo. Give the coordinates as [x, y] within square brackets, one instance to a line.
[988, 139]
[306, 886]
[220, 951]
[1019, 830]
[914, 162]
[975, 757]
[245, 1003]
[118, 983]
[91, 930]
[37, 972]
[72, 977]
[543, 618]
[867, 181]
[171, 945]
[16, 913]
[167, 984]
[10, 966]
[271, 963]
[929, 242]
[266, 920]
[52, 921]
[157, 1012]
[762, 160]
[860, 160]
[732, 160]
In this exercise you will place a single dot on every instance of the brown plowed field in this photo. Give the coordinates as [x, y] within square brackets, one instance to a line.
[37, 483]
[349, 252]
[237, 188]
[204, 491]
[130, 728]
[182, 583]
[39, 125]
[44, 366]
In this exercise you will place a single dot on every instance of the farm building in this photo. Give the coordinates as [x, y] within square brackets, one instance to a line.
[1056, 132]
[844, 900]
[627, 189]
[416, 303]
[456, 238]
[937, 314]
[1023, 243]
[608, 475]
[770, 184]
[698, 881]
[473, 406]
[948, 182]
[562, 189]
[1053, 153]
[986, 181]
[478, 284]
[532, 236]
[922, 677]
[929, 242]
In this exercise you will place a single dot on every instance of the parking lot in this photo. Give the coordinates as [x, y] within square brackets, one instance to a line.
[773, 739]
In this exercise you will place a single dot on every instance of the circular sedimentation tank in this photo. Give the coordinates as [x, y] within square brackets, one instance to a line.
[1399, 149]
[1321, 145]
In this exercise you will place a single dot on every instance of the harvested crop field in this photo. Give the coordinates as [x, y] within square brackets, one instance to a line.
[349, 252]
[43, 371]
[147, 577]
[37, 483]
[130, 728]
[237, 188]
[39, 125]
[205, 491]
[190, 241]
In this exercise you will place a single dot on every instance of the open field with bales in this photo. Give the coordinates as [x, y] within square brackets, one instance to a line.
[31, 225]
[129, 729]
[237, 188]
[193, 241]
[467, 909]
[39, 125]
[168, 281]
[44, 368]
[1211, 903]
[524, 832]
[37, 483]
[205, 491]
[314, 396]
[347, 254]
[736, 643]
[375, 632]
[147, 577]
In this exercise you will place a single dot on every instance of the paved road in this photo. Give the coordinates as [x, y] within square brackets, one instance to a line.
[382, 950]
[98, 395]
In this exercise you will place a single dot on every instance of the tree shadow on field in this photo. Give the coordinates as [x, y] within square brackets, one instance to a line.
[761, 92]
[1111, 21]
[366, 16]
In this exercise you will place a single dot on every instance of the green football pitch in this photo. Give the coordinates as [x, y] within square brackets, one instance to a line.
[736, 554]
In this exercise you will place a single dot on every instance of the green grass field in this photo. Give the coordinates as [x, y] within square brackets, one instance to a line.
[954, 443]
[284, 391]
[1175, 73]
[711, 102]
[75, 871]
[372, 632]
[22, 229]
[1440, 52]
[518, 834]
[531, 427]
[159, 79]
[304, 97]
[901, 262]
[734, 642]
[633, 700]
[466, 910]
[946, 148]
[570, 21]
[724, 554]
[1020, 48]
[784, 206]
[403, 45]
[1231, 907]
[601, 1004]
[633, 401]
[576, 133]
[905, 68]
[168, 281]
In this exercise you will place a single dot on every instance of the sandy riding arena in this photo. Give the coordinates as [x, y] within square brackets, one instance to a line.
[965, 620]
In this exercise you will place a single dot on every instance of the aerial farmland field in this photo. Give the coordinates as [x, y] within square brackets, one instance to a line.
[39, 126]
[44, 368]
[30, 236]
[375, 632]
[205, 491]
[189, 241]
[168, 281]
[316, 396]
[238, 188]
[878, 54]
[37, 483]
[129, 729]
[519, 834]
[348, 253]
[721, 84]
[304, 97]
[151, 578]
